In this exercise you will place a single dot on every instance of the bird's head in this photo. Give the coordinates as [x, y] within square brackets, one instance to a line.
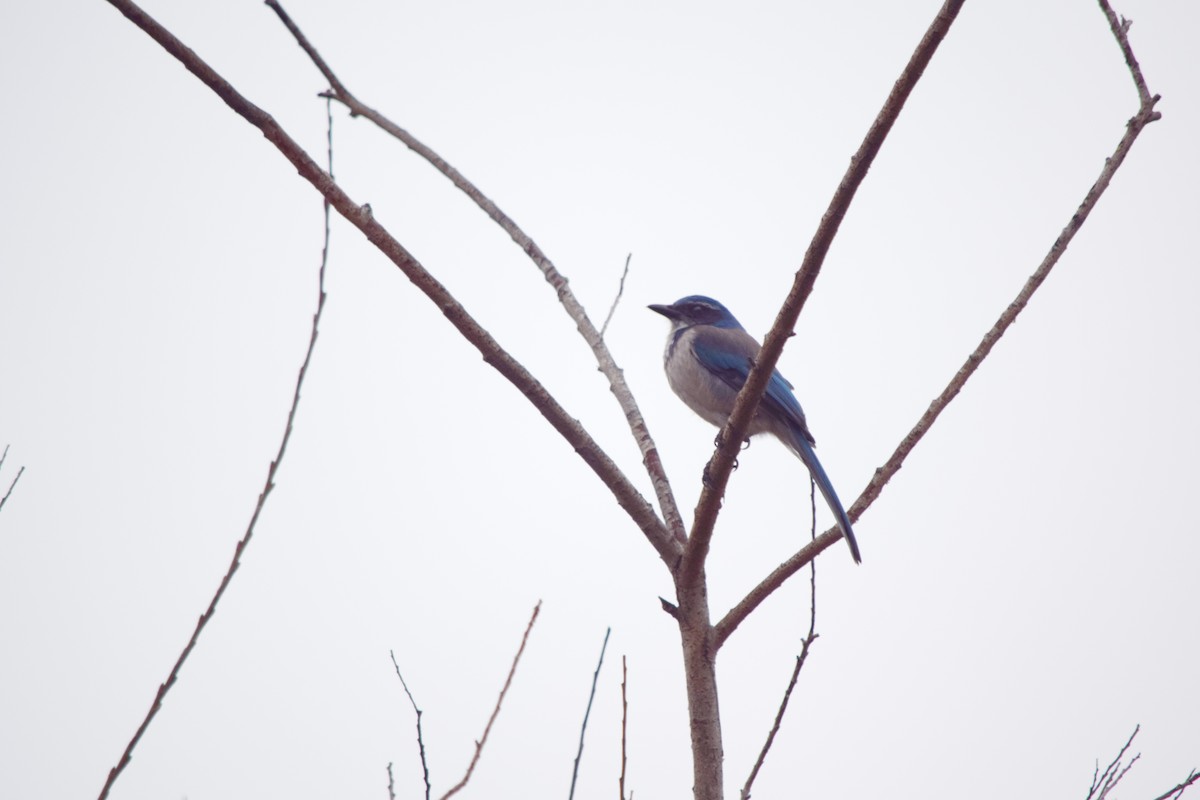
[697, 310]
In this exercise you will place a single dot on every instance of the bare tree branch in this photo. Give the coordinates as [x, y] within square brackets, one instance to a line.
[21, 471]
[624, 718]
[588, 713]
[594, 338]
[12, 485]
[245, 540]
[1178, 790]
[805, 645]
[701, 640]
[1103, 783]
[721, 463]
[391, 783]
[360, 216]
[616, 300]
[1120, 29]
[420, 736]
[496, 711]
[1144, 116]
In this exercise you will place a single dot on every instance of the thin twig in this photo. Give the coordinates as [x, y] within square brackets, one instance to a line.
[624, 717]
[1120, 28]
[616, 300]
[1103, 783]
[587, 713]
[1178, 790]
[720, 466]
[805, 645]
[1098, 783]
[21, 471]
[1114, 772]
[245, 540]
[626, 494]
[1145, 115]
[550, 272]
[12, 486]
[496, 711]
[420, 737]
[391, 783]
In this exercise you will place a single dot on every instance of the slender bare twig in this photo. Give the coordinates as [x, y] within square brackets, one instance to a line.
[805, 645]
[12, 486]
[1178, 790]
[587, 713]
[245, 540]
[721, 464]
[1114, 772]
[1103, 783]
[626, 494]
[495, 711]
[624, 718]
[616, 300]
[1104, 779]
[21, 471]
[1144, 116]
[594, 338]
[420, 737]
[1120, 28]
[391, 783]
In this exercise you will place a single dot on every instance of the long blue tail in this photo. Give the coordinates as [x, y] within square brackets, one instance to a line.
[804, 450]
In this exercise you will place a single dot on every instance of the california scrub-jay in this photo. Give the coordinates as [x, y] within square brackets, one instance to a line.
[708, 356]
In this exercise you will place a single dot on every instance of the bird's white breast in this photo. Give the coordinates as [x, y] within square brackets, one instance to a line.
[703, 392]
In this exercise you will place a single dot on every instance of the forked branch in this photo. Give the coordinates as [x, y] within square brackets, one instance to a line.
[731, 437]
[1133, 128]
[360, 216]
[574, 309]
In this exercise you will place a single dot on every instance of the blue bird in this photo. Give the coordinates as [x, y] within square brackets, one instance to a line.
[708, 357]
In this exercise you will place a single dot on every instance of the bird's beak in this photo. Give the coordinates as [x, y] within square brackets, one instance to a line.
[667, 311]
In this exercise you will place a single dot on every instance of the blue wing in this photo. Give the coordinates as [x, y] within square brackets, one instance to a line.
[728, 353]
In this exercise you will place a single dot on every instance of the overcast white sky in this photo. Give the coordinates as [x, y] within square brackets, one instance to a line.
[1028, 592]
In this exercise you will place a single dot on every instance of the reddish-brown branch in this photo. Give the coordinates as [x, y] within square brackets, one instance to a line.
[496, 711]
[721, 464]
[245, 540]
[585, 446]
[574, 309]
[1144, 116]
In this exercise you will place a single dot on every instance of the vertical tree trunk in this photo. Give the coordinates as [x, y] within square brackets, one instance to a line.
[700, 671]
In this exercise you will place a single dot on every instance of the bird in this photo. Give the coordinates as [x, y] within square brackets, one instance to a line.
[707, 359]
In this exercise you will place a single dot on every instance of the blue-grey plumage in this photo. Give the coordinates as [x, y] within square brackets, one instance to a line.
[707, 359]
